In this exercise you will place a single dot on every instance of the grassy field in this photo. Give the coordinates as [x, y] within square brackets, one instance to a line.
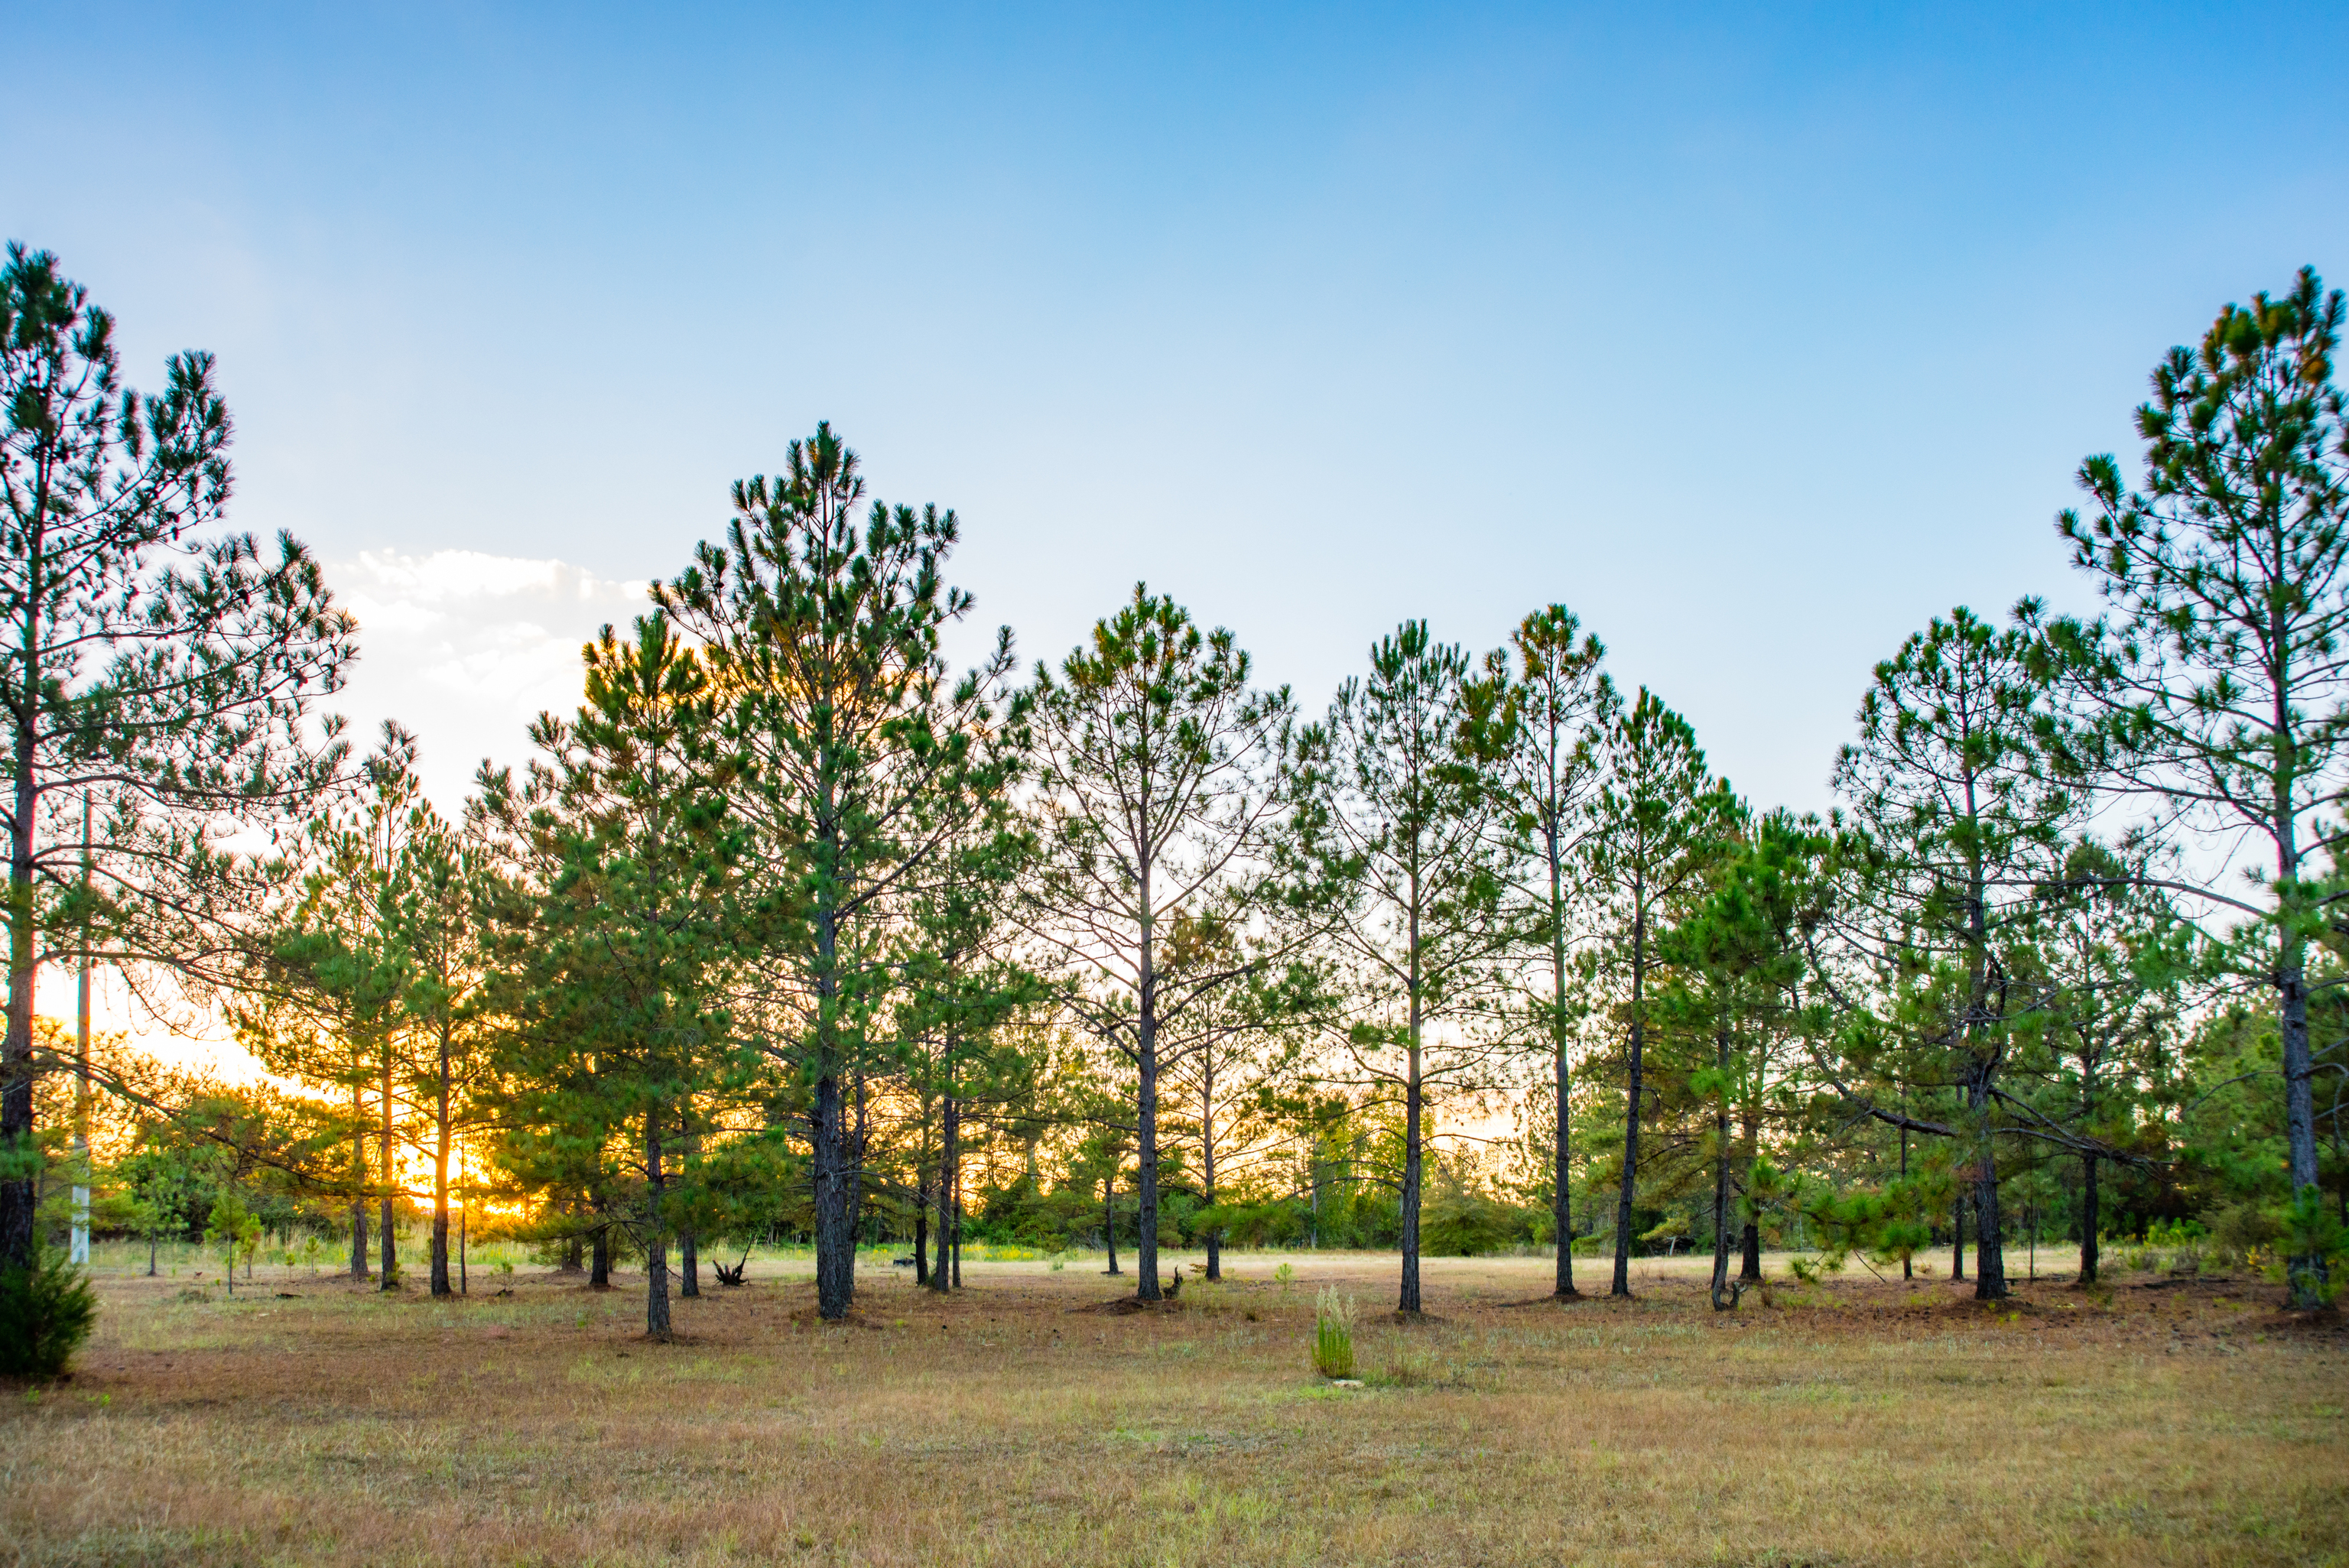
[1017, 1423]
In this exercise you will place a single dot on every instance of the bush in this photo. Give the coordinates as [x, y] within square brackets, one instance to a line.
[47, 1310]
[2241, 1230]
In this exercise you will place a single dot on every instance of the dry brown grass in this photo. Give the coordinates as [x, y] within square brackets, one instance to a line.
[1864, 1423]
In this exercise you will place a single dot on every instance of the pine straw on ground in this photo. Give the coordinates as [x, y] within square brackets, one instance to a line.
[1858, 1423]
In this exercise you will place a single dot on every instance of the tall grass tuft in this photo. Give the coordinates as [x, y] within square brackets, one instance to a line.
[1333, 1333]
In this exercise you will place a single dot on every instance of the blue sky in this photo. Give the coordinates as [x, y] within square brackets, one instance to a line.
[1756, 336]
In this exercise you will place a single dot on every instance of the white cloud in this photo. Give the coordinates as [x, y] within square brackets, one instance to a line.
[464, 648]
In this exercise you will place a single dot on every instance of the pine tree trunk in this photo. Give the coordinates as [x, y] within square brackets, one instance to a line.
[388, 1240]
[2307, 1276]
[1207, 1166]
[599, 1259]
[2089, 1219]
[921, 1235]
[835, 1233]
[1413, 1112]
[1622, 1284]
[688, 1242]
[657, 1325]
[1958, 1238]
[1109, 1219]
[358, 1190]
[1562, 1199]
[1990, 1255]
[440, 1177]
[950, 1157]
[1721, 1176]
[20, 1196]
[1145, 1186]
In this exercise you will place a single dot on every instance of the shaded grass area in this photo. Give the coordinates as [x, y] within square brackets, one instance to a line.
[1858, 1423]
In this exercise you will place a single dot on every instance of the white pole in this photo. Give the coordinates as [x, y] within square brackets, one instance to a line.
[80, 1251]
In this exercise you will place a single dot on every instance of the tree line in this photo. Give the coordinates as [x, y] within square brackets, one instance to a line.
[792, 929]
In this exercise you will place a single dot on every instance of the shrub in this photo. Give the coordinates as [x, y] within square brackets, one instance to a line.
[2240, 1230]
[47, 1310]
[1333, 1333]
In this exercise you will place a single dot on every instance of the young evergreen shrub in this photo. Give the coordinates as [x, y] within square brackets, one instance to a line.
[47, 1310]
[1333, 1333]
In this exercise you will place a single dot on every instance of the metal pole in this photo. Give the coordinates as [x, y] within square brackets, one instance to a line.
[80, 1250]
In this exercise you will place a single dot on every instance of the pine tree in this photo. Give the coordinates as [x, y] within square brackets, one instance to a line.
[2117, 960]
[1964, 828]
[163, 669]
[824, 639]
[2217, 691]
[1660, 817]
[1394, 822]
[318, 999]
[1151, 760]
[1740, 963]
[1543, 718]
[443, 1000]
[625, 851]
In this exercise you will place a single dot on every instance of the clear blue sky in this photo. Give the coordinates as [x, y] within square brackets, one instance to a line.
[1758, 336]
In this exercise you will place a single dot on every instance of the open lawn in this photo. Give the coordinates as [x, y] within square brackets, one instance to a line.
[2186, 1422]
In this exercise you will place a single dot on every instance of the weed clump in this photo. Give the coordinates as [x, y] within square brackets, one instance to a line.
[1333, 1333]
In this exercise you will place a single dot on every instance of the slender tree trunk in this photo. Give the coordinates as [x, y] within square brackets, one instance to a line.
[1145, 1046]
[1414, 1114]
[657, 1325]
[440, 1175]
[948, 1159]
[2089, 1219]
[835, 1222]
[1721, 1175]
[835, 1213]
[1908, 1263]
[2307, 1276]
[1561, 1169]
[1207, 1165]
[856, 1164]
[150, 1255]
[1622, 1285]
[921, 1235]
[1989, 1256]
[1109, 1217]
[20, 1196]
[1958, 1238]
[464, 1209]
[358, 1187]
[599, 1256]
[388, 1240]
[957, 1230]
[689, 1241]
[1749, 1270]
